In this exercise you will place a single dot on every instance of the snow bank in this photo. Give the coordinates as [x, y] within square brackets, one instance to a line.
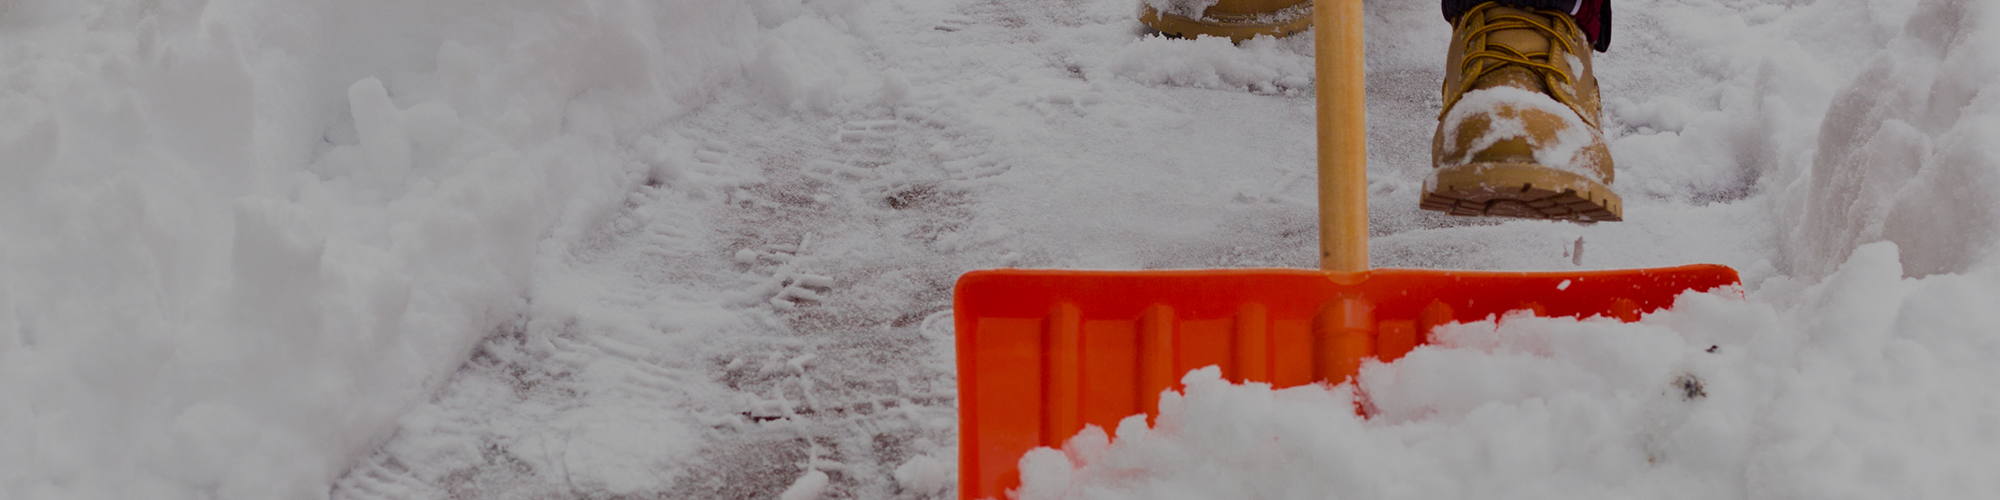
[1862, 120]
[1906, 152]
[238, 239]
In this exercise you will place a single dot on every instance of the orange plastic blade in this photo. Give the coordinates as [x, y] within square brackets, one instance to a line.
[1042, 353]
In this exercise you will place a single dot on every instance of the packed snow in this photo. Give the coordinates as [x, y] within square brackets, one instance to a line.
[264, 249]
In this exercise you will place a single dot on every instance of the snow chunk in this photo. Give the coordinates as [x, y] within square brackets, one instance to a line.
[925, 474]
[808, 487]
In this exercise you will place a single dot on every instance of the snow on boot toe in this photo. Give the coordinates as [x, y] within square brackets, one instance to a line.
[1519, 134]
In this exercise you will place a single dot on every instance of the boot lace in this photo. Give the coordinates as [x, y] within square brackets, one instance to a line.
[1492, 57]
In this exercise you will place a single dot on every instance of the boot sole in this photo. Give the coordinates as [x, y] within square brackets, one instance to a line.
[1236, 27]
[1520, 190]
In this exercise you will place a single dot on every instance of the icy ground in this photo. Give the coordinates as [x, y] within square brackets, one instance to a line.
[261, 249]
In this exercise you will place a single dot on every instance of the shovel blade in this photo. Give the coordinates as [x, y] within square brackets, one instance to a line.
[1042, 353]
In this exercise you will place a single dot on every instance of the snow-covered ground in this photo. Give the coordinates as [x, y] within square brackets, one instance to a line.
[686, 249]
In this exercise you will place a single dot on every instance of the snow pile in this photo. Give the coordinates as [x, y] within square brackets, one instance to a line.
[1868, 385]
[813, 64]
[239, 239]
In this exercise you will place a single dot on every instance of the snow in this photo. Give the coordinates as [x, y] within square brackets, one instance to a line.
[1503, 113]
[924, 474]
[808, 487]
[1851, 373]
[454, 249]
[242, 239]
[1186, 8]
[1908, 142]
[1854, 393]
[1262, 64]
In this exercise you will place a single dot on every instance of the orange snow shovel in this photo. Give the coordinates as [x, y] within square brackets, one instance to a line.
[1042, 353]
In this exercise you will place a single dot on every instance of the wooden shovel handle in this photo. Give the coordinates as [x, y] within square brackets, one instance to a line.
[1343, 135]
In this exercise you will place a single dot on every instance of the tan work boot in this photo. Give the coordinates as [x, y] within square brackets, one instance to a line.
[1519, 133]
[1238, 20]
